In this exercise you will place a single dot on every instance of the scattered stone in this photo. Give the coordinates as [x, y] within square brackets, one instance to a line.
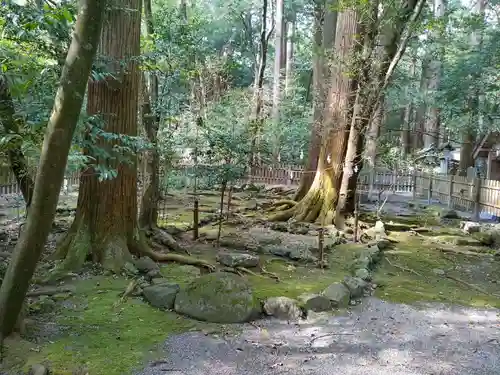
[161, 296]
[146, 264]
[469, 227]
[38, 369]
[449, 214]
[338, 294]
[219, 297]
[315, 302]
[438, 272]
[237, 259]
[283, 308]
[363, 274]
[303, 255]
[355, 285]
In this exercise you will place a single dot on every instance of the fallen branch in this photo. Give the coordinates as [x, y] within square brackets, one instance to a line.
[128, 291]
[50, 291]
[328, 335]
[404, 268]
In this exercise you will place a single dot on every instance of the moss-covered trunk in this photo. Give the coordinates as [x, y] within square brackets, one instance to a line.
[53, 159]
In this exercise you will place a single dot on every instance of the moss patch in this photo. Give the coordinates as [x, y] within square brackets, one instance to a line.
[107, 340]
[403, 286]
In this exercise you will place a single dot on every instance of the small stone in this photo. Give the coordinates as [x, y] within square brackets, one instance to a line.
[363, 274]
[352, 303]
[338, 294]
[315, 302]
[38, 369]
[161, 296]
[283, 308]
[237, 259]
[146, 264]
[355, 285]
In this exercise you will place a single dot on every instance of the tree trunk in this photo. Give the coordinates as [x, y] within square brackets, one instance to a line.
[420, 112]
[321, 198]
[105, 224]
[469, 133]
[325, 25]
[17, 160]
[257, 121]
[407, 118]
[277, 78]
[148, 216]
[431, 124]
[54, 156]
[289, 55]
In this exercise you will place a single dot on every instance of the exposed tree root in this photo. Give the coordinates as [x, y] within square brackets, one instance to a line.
[162, 237]
[50, 291]
[472, 286]
[243, 270]
[405, 268]
[128, 292]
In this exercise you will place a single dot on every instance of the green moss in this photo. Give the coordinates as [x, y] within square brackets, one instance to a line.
[108, 340]
[403, 286]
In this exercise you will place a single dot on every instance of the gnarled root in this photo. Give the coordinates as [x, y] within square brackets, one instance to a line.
[162, 237]
[282, 205]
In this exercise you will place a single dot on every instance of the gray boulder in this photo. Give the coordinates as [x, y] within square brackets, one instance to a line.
[449, 214]
[376, 232]
[146, 264]
[355, 285]
[237, 259]
[338, 294]
[161, 296]
[279, 251]
[219, 298]
[283, 308]
[315, 302]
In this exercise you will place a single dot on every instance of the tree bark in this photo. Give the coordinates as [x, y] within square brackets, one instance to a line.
[289, 54]
[321, 198]
[54, 156]
[17, 160]
[469, 133]
[148, 216]
[257, 121]
[431, 124]
[105, 224]
[277, 79]
[407, 118]
[325, 25]
[421, 110]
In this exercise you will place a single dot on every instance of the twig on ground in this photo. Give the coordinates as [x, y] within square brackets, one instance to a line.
[404, 268]
[328, 335]
[472, 286]
[50, 291]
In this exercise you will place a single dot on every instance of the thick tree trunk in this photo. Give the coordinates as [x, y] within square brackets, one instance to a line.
[17, 160]
[105, 224]
[421, 110]
[321, 198]
[325, 25]
[54, 156]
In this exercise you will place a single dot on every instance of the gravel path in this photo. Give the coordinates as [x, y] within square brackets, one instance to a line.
[375, 338]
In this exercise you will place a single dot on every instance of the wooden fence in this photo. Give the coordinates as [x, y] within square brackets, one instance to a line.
[476, 196]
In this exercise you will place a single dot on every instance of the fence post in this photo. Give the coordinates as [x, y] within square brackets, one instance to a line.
[476, 197]
[450, 193]
[429, 191]
[414, 184]
[289, 176]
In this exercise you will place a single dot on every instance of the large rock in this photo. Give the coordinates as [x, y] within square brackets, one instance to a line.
[279, 251]
[218, 297]
[162, 295]
[237, 259]
[146, 265]
[283, 308]
[469, 227]
[302, 255]
[338, 294]
[315, 302]
[355, 285]
[38, 369]
[376, 232]
[363, 274]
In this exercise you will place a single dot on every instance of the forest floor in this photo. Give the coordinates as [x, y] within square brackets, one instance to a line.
[416, 322]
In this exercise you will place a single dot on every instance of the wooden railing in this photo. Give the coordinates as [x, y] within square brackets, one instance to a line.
[477, 196]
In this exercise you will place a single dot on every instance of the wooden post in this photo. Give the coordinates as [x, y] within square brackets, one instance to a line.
[414, 184]
[488, 165]
[429, 191]
[289, 177]
[476, 197]
[450, 192]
